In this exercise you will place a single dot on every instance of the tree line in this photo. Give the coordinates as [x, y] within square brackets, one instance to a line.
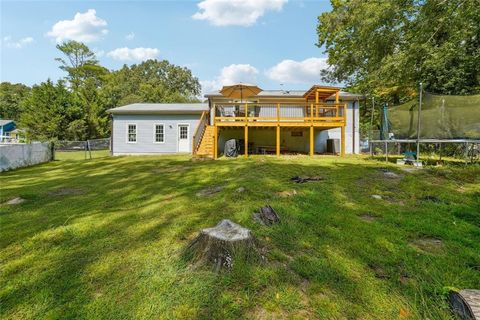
[74, 108]
[385, 48]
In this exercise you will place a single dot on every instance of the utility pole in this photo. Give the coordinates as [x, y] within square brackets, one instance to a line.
[419, 122]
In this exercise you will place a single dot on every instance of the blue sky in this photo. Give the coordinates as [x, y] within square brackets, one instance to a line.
[268, 42]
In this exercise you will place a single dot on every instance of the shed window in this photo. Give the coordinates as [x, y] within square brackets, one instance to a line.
[159, 133]
[132, 133]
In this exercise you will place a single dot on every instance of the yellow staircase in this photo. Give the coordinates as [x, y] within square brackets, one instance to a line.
[206, 148]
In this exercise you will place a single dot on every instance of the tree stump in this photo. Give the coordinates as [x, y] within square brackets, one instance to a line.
[221, 245]
[465, 303]
[267, 216]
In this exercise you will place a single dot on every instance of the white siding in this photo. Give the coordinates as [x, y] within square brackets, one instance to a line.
[145, 132]
[321, 137]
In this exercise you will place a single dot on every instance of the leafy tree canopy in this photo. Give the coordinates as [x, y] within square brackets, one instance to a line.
[151, 81]
[11, 96]
[387, 47]
[79, 62]
[47, 111]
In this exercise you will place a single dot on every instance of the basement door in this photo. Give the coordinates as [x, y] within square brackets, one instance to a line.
[183, 138]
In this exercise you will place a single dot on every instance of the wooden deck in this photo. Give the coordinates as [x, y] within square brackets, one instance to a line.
[314, 110]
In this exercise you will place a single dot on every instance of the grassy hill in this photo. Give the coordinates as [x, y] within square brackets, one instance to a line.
[103, 239]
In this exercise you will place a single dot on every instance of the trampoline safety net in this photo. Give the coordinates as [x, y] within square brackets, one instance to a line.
[442, 117]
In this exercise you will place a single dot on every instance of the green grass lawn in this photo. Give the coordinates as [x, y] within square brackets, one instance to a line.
[81, 155]
[103, 239]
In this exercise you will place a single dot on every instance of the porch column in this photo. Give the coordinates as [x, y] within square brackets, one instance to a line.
[342, 147]
[246, 142]
[278, 141]
[215, 142]
[312, 141]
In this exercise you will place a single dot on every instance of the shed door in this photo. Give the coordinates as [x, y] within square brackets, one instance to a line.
[183, 138]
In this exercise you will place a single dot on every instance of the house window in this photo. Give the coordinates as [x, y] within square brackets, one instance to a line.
[159, 133]
[132, 133]
[183, 132]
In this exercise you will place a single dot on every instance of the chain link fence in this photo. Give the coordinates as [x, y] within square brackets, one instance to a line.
[78, 150]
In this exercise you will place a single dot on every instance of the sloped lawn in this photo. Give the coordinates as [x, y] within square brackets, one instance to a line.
[103, 239]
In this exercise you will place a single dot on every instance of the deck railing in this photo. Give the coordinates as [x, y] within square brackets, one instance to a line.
[279, 112]
[199, 132]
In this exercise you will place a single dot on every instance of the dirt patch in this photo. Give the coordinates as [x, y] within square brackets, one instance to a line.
[379, 272]
[428, 245]
[240, 190]
[15, 201]
[367, 217]
[304, 285]
[410, 169]
[260, 313]
[389, 174]
[209, 191]
[287, 193]
[393, 200]
[430, 198]
[66, 192]
[404, 279]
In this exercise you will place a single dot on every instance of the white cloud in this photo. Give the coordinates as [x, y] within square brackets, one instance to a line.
[130, 36]
[99, 53]
[291, 71]
[9, 43]
[231, 74]
[133, 54]
[85, 27]
[235, 12]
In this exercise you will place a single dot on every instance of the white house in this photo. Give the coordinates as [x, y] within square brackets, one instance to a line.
[273, 121]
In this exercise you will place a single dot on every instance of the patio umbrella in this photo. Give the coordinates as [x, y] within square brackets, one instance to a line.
[240, 90]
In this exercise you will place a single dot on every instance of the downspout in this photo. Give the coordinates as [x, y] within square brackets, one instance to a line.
[111, 135]
[353, 126]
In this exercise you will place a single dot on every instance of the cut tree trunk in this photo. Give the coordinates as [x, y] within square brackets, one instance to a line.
[221, 245]
[267, 216]
[466, 304]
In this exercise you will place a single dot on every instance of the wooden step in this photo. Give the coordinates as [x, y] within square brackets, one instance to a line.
[206, 147]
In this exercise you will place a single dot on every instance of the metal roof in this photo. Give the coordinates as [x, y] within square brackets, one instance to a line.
[5, 122]
[164, 108]
[293, 94]
[348, 96]
[266, 93]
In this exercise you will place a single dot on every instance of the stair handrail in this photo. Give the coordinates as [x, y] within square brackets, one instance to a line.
[199, 131]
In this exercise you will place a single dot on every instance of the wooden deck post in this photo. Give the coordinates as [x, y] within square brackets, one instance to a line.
[342, 147]
[311, 113]
[337, 101]
[312, 141]
[246, 141]
[215, 142]
[278, 114]
[278, 141]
